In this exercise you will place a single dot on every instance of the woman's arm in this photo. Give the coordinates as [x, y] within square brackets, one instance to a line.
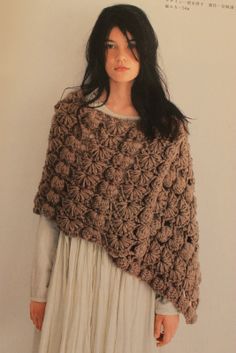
[45, 249]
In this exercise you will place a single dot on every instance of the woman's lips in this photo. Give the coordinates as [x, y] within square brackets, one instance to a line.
[121, 68]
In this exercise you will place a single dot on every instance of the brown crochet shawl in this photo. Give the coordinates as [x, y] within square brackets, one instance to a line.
[105, 182]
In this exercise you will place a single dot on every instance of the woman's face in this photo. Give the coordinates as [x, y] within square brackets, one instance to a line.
[118, 53]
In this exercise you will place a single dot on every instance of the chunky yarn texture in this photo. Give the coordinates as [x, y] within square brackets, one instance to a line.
[104, 181]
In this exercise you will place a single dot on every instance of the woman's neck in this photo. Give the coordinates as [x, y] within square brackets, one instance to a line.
[119, 101]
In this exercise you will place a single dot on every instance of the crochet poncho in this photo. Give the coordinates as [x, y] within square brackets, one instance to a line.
[104, 181]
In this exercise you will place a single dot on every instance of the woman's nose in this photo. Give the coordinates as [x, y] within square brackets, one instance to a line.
[121, 54]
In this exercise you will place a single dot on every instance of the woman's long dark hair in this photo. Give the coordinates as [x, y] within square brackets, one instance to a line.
[149, 92]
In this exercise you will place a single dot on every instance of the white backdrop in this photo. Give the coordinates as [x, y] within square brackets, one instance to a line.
[42, 52]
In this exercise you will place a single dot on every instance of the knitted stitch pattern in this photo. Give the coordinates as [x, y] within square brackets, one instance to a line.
[104, 181]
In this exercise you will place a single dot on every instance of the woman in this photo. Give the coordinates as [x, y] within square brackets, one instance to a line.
[117, 244]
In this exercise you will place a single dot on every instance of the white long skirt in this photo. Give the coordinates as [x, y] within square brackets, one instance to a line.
[93, 306]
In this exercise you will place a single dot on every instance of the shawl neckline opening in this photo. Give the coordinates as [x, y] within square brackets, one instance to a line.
[106, 117]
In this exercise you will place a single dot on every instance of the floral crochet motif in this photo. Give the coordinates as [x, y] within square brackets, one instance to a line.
[104, 181]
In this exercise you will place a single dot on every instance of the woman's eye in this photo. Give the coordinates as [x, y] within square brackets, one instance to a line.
[108, 45]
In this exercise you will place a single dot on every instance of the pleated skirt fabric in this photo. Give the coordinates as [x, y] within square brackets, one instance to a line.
[93, 306]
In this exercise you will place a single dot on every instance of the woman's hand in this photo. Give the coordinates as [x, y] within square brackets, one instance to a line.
[169, 323]
[37, 310]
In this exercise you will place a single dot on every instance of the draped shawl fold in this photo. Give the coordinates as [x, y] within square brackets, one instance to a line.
[104, 181]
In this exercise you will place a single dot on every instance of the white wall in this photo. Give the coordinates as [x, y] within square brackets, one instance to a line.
[42, 52]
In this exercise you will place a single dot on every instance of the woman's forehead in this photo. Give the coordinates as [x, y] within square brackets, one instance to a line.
[116, 32]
